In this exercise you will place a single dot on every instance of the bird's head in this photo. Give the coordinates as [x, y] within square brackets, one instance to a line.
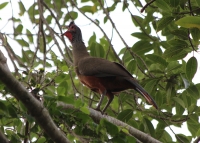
[73, 33]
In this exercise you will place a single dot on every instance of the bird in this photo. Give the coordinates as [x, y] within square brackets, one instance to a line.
[100, 75]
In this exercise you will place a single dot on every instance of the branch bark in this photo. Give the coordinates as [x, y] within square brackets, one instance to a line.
[97, 116]
[3, 138]
[37, 110]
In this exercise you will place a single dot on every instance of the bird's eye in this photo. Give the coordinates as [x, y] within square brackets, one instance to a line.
[72, 27]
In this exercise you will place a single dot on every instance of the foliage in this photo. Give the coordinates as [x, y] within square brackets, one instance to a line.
[168, 30]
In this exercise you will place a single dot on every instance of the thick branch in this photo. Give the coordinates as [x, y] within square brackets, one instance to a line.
[36, 109]
[3, 138]
[197, 140]
[97, 116]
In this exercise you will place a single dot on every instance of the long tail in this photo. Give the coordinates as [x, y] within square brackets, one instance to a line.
[141, 90]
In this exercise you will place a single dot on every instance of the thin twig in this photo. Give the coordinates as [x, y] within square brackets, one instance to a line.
[190, 40]
[146, 5]
[59, 26]
[51, 31]
[131, 52]
[190, 7]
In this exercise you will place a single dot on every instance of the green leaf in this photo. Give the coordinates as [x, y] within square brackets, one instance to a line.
[193, 92]
[111, 128]
[12, 111]
[65, 99]
[96, 50]
[180, 34]
[137, 20]
[92, 39]
[22, 8]
[191, 68]
[49, 18]
[41, 140]
[175, 53]
[157, 59]
[32, 12]
[185, 81]
[163, 5]
[193, 124]
[183, 138]
[90, 9]
[195, 34]
[164, 22]
[112, 8]
[198, 132]
[151, 85]
[61, 77]
[85, 0]
[29, 35]
[16, 19]
[173, 66]
[179, 101]
[150, 127]
[62, 88]
[125, 115]
[78, 103]
[22, 42]
[131, 66]
[131, 139]
[85, 110]
[189, 22]
[85, 118]
[174, 3]
[142, 47]
[141, 36]
[2, 5]
[168, 94]
[105, 19]
[19, 29]
[65, 68]
[70, 15]
[177, 42]
[198, 2]
[3, 108]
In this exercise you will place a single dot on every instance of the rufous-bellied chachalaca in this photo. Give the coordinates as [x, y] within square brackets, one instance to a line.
[100, 75]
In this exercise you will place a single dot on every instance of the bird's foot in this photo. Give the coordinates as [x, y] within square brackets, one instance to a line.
[98, 109]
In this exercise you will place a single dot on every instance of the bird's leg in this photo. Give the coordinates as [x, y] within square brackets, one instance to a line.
[100, 101]
[110, 99]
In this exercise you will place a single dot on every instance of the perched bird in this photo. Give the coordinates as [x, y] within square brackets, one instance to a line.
[100, 75]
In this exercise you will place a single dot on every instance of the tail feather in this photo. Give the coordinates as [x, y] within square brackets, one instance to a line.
[141, 90]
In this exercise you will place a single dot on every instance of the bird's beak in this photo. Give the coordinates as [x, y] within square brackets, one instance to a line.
[67, 27]
[66, 33]
[63, 34]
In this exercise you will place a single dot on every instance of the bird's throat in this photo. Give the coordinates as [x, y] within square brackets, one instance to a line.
[79, 52]
[68, 34]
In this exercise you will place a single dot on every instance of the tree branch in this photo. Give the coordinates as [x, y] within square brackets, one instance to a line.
[51, 32]
[142, 10]
[3, 138]
[37, 110]
[197, 140]
[97, 116]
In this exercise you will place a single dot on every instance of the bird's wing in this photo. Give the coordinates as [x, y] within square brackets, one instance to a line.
[98, 67]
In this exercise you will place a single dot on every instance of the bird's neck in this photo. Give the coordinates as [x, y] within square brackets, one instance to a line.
[79, 52]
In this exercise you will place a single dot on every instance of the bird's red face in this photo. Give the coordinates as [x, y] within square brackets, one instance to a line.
[70, 33]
